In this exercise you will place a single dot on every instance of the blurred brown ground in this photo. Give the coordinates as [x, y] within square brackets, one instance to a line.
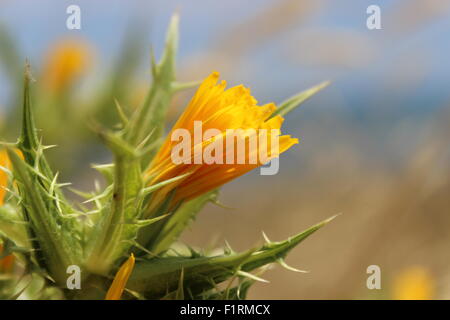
[394, 218]
[392, 215]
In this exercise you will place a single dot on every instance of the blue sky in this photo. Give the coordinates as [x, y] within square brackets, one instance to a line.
[407, 70]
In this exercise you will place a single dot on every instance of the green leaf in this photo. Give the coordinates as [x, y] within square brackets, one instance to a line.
[28, 140]
[165, 70]
[33, 150]
[54, 231]
[12, 226]
[273, 251]
[158, 276]
[153, 188]
[116, 229]
[295, 101]
[54, 249]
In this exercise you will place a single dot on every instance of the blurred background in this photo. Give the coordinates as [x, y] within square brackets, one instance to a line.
[374, 145]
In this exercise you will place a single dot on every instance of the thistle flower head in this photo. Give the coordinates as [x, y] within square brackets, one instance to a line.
[228, 114]
[222, 134]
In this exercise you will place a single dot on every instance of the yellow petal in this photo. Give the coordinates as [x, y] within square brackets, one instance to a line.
[4, 162]
[120, 280]
[220, 109]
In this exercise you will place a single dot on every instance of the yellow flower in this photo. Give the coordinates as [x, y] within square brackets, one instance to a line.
[120, 280]
[4, 162]
[67, 60]
[415, 283]
[217, 109]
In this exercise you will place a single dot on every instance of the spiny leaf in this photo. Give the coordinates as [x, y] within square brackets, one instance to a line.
[13, 226]
[166, 67]
[28, 140]
[116, 229]
[293, 102]
[54, 249]
[273, 251]
[31, 147]
[55, 234]
[153, 188]
[159, 275]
